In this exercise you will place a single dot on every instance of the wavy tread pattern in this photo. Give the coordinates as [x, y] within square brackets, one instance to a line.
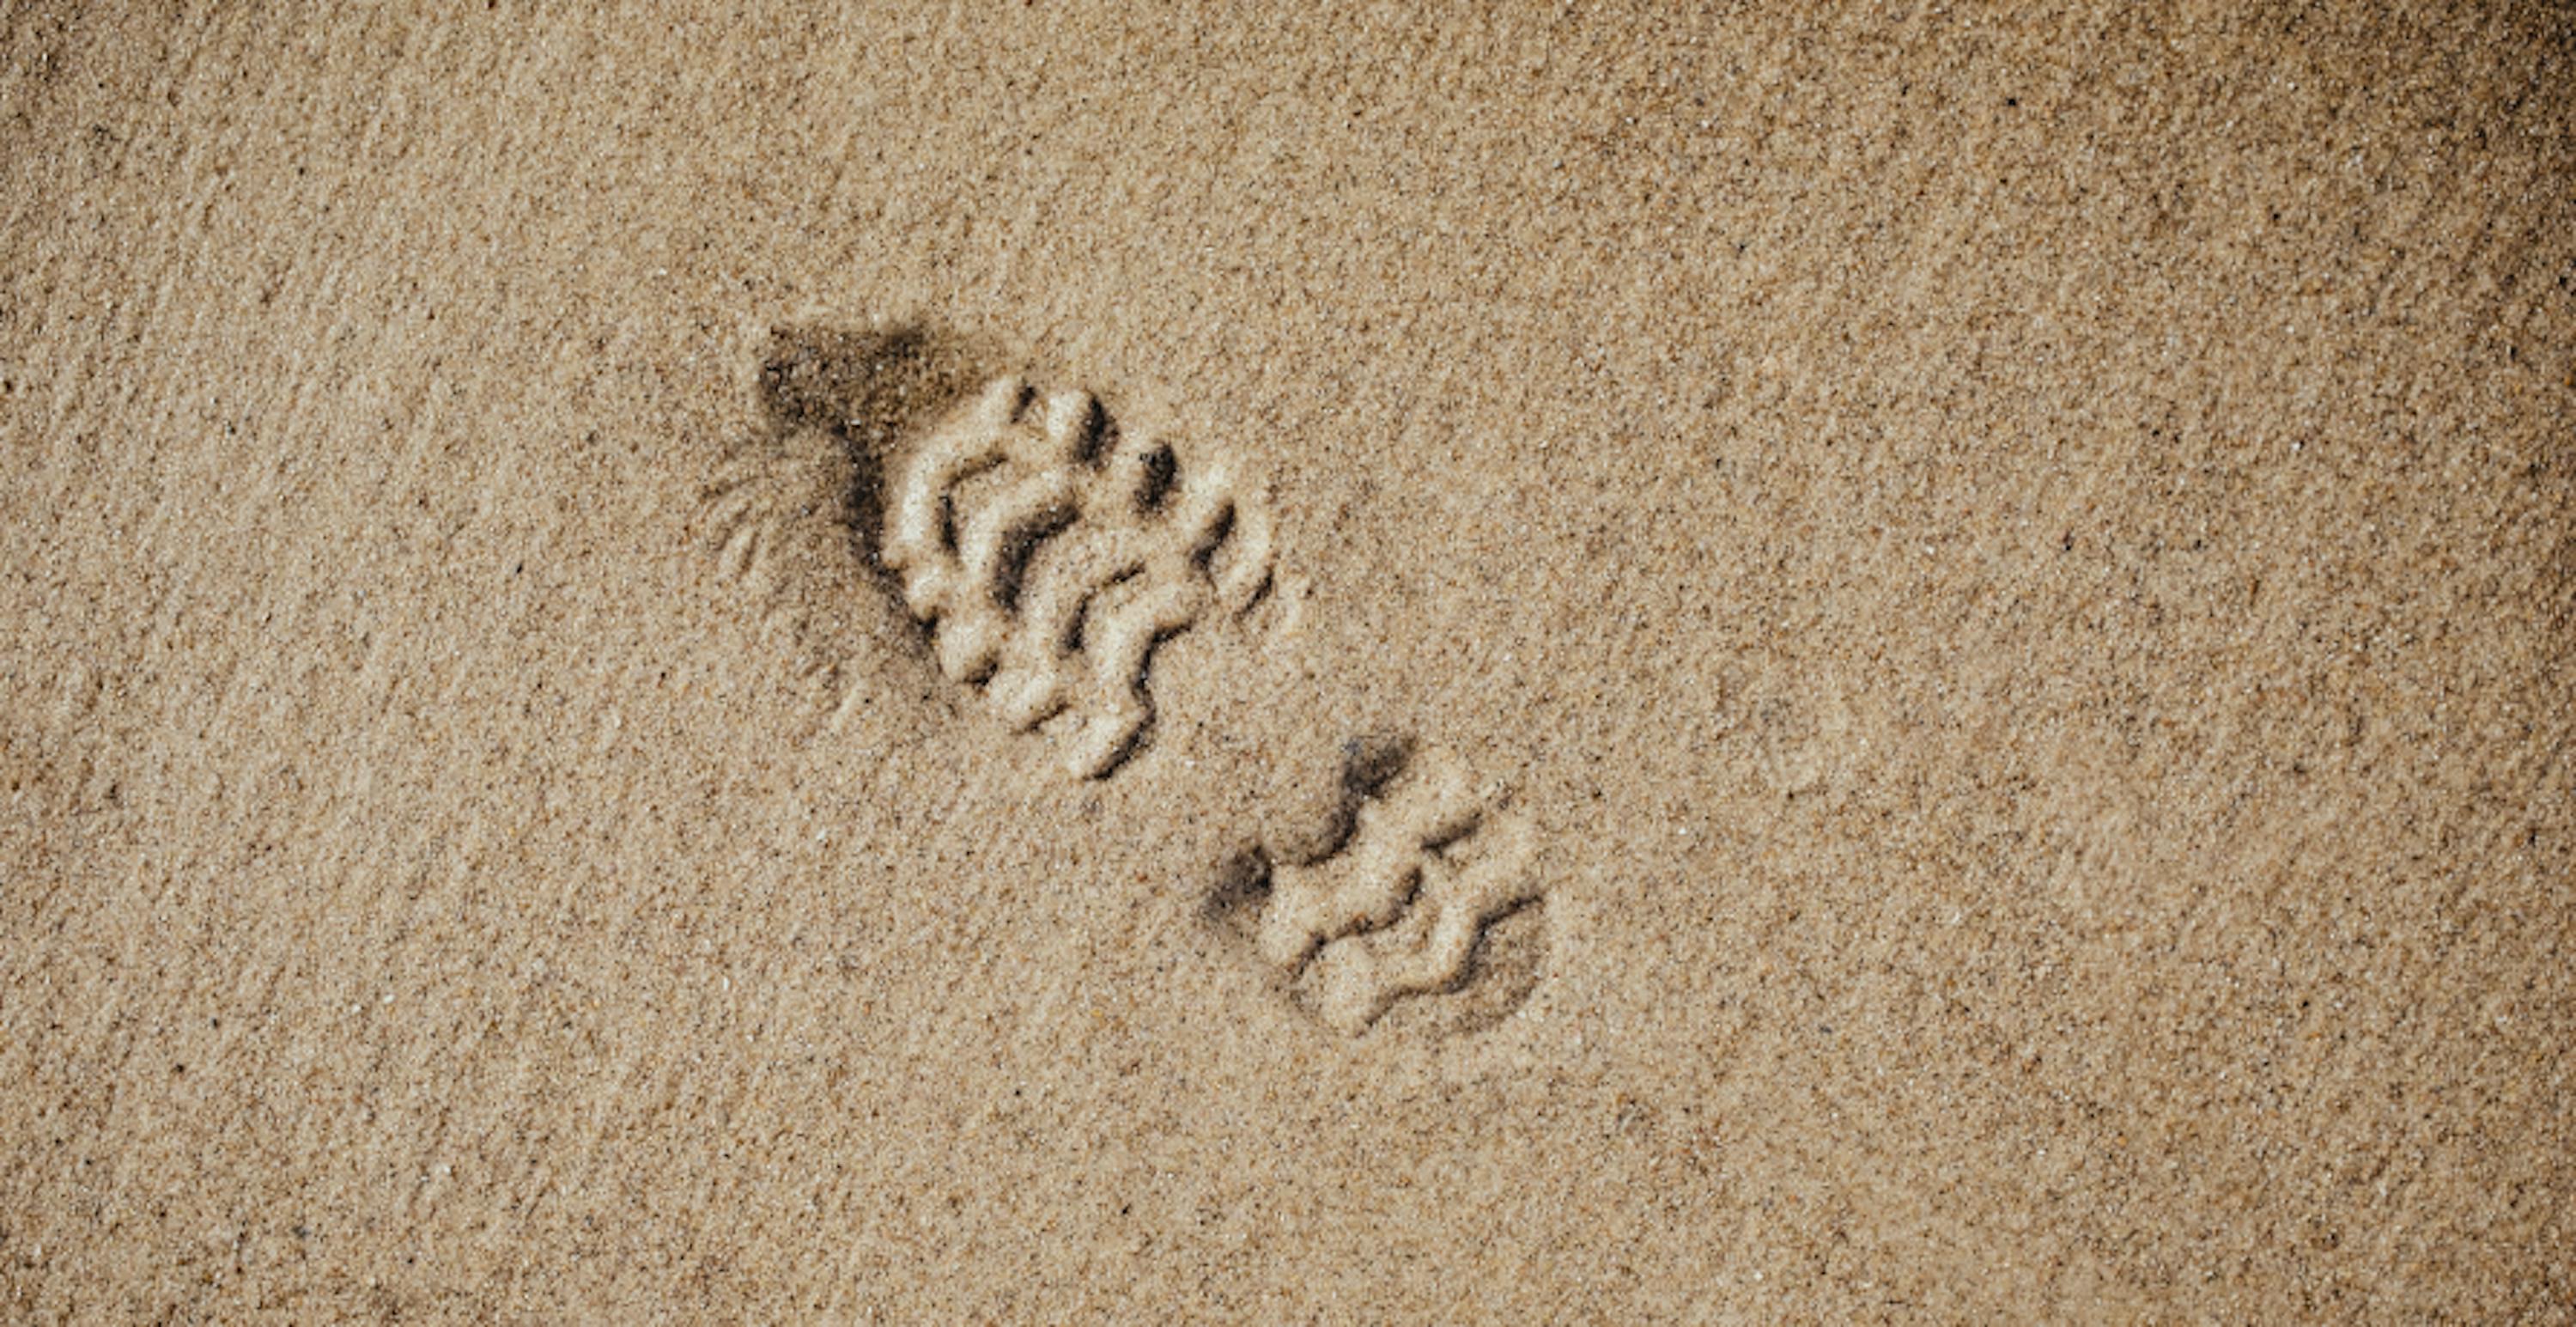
[1399, 909]
[1051, 553]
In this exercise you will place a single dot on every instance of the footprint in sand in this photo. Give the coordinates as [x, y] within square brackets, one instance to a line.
[1049, 551]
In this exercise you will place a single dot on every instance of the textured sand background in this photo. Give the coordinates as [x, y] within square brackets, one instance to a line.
[2020, 565]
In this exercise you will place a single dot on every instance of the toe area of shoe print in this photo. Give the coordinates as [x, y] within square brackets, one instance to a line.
[1050, 552]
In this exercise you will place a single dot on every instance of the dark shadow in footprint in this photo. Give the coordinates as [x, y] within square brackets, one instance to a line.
[1234, 902]
[866, 387]
[1369, 763]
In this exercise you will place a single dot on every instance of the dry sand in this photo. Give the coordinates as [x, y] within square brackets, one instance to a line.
[1995, 589]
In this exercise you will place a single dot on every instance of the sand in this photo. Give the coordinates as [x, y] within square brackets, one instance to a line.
[1901, 664]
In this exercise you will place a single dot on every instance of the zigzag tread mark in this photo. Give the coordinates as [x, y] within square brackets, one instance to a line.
[1013, 568]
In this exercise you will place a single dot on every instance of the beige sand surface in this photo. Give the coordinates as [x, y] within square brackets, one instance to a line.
[2016, 571]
